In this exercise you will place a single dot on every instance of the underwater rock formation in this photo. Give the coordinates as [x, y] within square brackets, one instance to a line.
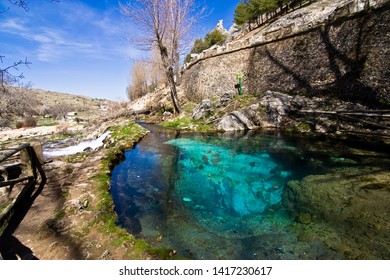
[353, 201]
[221, 186]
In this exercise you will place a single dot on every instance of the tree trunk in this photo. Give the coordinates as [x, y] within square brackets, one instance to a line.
[172, 86]
[170, 73]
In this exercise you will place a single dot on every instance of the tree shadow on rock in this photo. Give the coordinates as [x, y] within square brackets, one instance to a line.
[342, 60]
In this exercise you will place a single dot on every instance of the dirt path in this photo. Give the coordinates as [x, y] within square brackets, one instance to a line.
[37, 236]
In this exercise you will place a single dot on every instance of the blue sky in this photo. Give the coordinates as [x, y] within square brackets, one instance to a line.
[80, 47]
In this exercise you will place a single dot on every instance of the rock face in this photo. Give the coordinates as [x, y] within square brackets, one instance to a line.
[276, 106]
[330, 47]
[353, 201]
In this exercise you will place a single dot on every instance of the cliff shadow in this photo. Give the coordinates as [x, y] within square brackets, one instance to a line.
[332, 60]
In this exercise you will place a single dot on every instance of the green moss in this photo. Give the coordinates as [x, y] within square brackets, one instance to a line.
[189, 107]
[304, 127]
[46, 122]
[60, 214]
[5, 205]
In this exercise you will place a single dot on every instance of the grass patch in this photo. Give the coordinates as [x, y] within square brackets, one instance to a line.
[46, 122]
[187, 123]
[180, 123]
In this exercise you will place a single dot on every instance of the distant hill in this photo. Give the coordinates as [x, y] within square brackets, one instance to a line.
[19, 102]
[51, 98]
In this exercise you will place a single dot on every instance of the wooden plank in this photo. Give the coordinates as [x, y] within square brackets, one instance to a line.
[27, 161]
[38, 152]
[14, 181]
[13, 151]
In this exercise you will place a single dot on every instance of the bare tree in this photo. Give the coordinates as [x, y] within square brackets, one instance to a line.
[164, 24]
[146, 76]
[139, 80]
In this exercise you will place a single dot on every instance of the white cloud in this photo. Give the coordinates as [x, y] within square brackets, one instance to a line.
[12, 24]
[57, 32]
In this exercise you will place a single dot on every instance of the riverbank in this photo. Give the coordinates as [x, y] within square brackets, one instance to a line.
[74, 217]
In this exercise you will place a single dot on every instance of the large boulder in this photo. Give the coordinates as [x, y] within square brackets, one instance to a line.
[203, 109]
[271, 111]
[245, 119]
[276, 106]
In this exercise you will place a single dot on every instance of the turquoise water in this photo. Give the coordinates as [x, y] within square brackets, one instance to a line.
[221, 196]
[222, 187]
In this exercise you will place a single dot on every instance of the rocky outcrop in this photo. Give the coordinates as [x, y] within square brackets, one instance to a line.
[276, 106]
[202, 110]
[240, 120]
[270, 111]
[303, 114]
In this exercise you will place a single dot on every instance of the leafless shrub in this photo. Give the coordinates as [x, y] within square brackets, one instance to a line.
[30, 122]
[19, 124]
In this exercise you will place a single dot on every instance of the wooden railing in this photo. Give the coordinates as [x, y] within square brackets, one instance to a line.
[20, 172]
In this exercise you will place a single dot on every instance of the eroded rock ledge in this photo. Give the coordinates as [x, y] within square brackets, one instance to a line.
[300, 114]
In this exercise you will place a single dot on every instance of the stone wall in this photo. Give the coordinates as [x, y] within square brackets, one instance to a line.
[346, 56]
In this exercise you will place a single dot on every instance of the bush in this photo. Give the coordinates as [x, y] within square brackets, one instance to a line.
[19, 124]
[30, 122]
[215, 37]
[199, 46]
[188, 58]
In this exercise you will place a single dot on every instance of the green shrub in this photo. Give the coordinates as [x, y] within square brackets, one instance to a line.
[215, 37]
[188, 58]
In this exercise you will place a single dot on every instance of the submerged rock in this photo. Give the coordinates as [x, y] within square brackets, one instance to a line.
[224, 182]
[353, 201]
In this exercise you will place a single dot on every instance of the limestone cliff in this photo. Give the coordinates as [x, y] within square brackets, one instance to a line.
[328, 48]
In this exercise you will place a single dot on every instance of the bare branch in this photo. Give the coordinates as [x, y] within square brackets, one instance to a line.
[7, 77]
[20, 3]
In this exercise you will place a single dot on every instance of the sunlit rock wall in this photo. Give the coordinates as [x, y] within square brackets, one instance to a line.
[343, 52]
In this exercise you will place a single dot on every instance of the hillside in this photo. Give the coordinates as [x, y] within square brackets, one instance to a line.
[19, 102]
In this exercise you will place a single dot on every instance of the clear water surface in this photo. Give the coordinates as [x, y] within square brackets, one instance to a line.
[220, 196]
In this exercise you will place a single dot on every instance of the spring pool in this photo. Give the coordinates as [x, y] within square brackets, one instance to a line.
[223, 196]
